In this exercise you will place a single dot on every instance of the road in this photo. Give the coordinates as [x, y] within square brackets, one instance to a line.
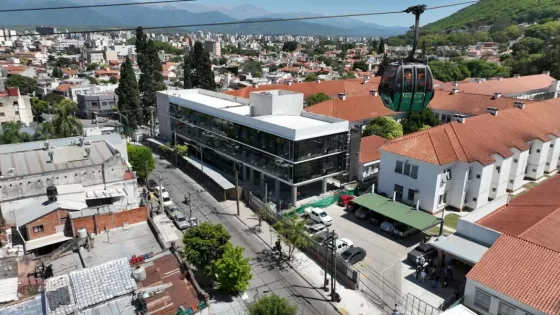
[269, 275]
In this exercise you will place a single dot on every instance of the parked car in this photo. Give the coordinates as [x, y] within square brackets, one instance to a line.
[387, 226]
[160, 192]
[152, 184]
[170, 210]
[315, 229]
[422, 250]
[352, 207]
[345, 199]
[403, 230]
[323, 238]
[320, 216]
[376, 218]
[341, 245]
[181, 220]
[364, 213]
[353, 255]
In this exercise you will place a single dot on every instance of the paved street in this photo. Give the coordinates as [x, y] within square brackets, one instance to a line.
[268, 274]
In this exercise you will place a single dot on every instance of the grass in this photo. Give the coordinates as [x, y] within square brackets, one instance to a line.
[434, 230]
[450, 220]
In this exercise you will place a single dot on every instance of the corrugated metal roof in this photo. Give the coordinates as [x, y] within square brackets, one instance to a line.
[59, 296]
[35, 210]
[33, 306]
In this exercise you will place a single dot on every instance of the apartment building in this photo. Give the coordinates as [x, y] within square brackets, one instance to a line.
[213, 48]
[95, 56]
[471, 161]
[96, 104]
[15, 107]
[266, 138]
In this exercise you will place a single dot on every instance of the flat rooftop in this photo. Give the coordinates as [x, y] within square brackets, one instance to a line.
[137, 239]
[292, 122]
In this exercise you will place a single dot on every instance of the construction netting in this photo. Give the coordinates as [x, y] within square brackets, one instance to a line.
[324, 201]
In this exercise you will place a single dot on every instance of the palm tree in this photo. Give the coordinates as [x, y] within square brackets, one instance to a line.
[64, 123]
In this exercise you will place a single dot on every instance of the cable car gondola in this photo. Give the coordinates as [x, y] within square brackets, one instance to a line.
[407, 86]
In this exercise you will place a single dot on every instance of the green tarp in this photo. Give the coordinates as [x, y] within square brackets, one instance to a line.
[398, 211]
[325, 202]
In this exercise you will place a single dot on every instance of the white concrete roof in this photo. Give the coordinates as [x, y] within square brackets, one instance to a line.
[292, 122]
[458, 310]
[47, 240]
[210, 101]
[461, 247]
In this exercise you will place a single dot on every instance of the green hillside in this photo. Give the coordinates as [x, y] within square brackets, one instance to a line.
[487, 12]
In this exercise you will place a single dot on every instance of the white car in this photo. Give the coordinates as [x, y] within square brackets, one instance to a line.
[315, 229]
[181, 220]
[342, 245]
[320, 216]
[161, 192]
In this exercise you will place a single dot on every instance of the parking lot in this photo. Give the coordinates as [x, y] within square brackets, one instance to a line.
[385, 272]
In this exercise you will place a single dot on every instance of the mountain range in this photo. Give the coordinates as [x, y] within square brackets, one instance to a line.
[181, 14]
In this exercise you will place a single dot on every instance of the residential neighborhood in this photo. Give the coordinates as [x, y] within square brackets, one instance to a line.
[253, 161]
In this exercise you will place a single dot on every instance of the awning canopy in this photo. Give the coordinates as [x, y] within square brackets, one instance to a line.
[398, 211]
[47, 240]
[462, 248]
[210, 172]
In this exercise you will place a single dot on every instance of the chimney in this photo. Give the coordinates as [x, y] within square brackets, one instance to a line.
[342, 96]
[497, 95]
[365, 79]
[519, 104]
[455, 83]
[289, 82]
[454, 91]
[516, 76]
[46, 145]
[373, 92]
[546, 73]
[460, 118]
[318, 80]
[492, 110]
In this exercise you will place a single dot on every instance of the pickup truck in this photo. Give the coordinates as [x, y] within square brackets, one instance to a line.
[341, 245]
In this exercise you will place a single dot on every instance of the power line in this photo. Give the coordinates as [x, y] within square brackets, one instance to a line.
[92, 6]
[253, 21]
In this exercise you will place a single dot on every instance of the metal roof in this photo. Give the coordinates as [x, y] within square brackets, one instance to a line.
[217, 177]
[35, 210]
[397, 211]
[461, 248]
[93, 211]
[33, 306]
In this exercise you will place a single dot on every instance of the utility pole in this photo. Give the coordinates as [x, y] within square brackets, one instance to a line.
[160, 195]
[237, 191]
[333, 277]
[152, 123]
[326, 281]
[265, 193]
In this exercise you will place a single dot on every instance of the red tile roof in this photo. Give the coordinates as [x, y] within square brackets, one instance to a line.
[69, 71]
[534, 216]
[368, 148]
[482, 136]
[471, 104]
[352, 87]
[355, 108]
[522, 270]
[504, 86]
[64, 87]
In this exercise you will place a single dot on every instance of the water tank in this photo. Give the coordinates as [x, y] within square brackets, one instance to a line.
[139, 273]
[82, 233]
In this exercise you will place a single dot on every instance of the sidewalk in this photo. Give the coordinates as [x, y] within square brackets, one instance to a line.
[352, 302]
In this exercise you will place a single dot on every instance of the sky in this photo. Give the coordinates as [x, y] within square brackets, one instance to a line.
[332, 7]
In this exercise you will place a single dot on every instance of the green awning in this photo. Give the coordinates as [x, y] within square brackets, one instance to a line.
[398, 211]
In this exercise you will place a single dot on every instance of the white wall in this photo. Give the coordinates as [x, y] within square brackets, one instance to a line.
[500, 178]
[553, 155]
[537, 159]
[368, 171]
[517, 169]
[457, 187]
[478, 188]
[470, 288]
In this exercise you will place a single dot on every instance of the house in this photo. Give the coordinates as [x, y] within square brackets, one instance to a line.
[64, 89]
[25, 71]
[369, 158]
[107, 74]
[268, 137]
[15, 107]
[531, 87]
[69, 73]
[472, 161]
[95, 56]
[446, 104]
[96, 104]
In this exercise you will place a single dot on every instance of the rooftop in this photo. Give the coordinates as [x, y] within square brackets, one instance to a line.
[480, 137]
[470, 104]
[356, 108]
[534, 216]
[525, 271]
[368, 148]
[505, 86]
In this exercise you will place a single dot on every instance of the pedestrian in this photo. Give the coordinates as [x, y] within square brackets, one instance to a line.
[432, 273]
[395, 310]
[445, 282]
[422, 261]
[278, 246]
[418, 270]
[423, 275]
[435, 283]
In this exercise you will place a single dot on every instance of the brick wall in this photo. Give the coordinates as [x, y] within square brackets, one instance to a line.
[49, 223]
[97, 224]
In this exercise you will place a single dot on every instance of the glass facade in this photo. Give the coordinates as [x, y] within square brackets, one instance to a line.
[272, 154]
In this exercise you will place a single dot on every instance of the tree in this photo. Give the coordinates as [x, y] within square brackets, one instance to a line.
[361, 65]
[311, 77]
[233, 271]
[384, 64]
[151, 79]
[272, 305]
[204, 245]
[129, 96]
[385, 127]
[63, 62]
[289, 46]
[198, 69]
[92, 80]
[316, 99]
[446, 71]
[292, 233]
[64, 123]
[418, 120]
[53, 98]
[141, 159]
[113, 80]
[26, 85]
[38, 108]
[92, 66]
[57, 73]
[273, 68]
[381, 47]
[252, 66]
[11, 133]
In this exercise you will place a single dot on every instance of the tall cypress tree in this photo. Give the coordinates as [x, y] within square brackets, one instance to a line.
[151, 79]
[187, 72]
[140, 48]
[129, 96]
[381, 48]
[201, 68]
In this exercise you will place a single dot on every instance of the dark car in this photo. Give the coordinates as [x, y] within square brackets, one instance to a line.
[353, 255]
[352, 207]
[376, 218]
[422, 250]
[402, 230]
[152, 184]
